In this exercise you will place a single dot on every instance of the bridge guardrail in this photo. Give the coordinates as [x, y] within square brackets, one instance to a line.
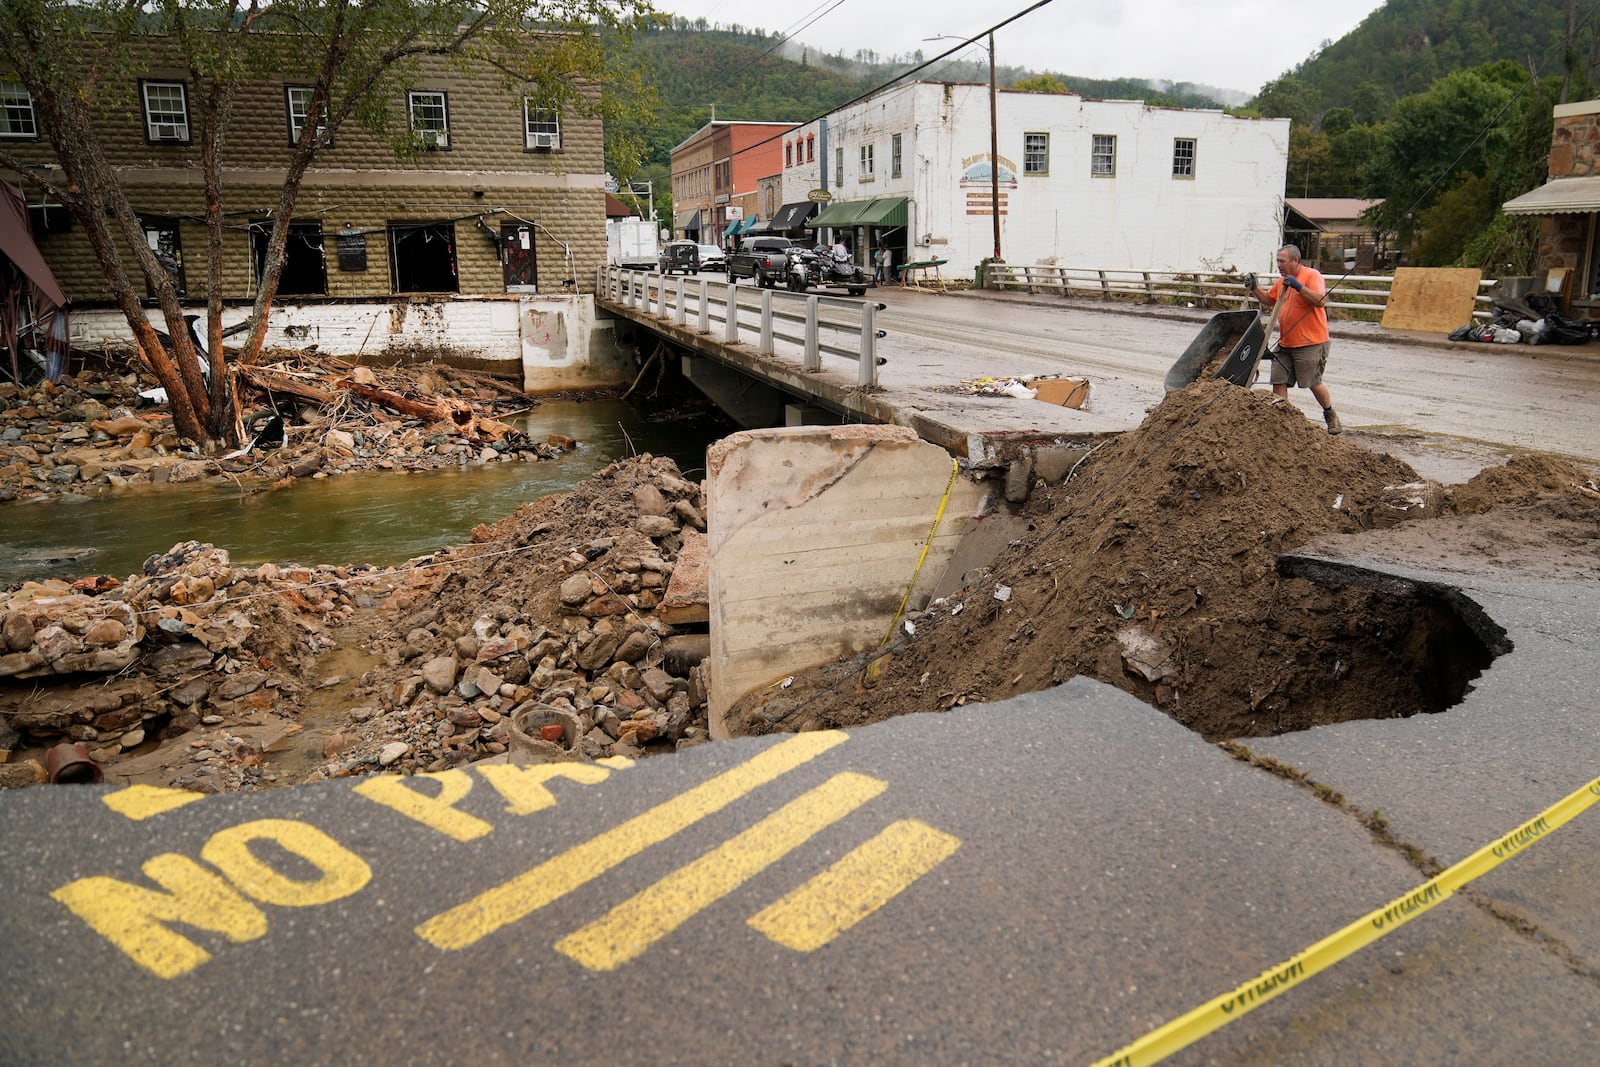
[824, 321]
[1363, 295]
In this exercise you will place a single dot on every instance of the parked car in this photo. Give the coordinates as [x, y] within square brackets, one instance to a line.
[681, 256]
[712, 258]
[763, 259]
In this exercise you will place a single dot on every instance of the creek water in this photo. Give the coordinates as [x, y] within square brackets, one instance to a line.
[378, 518]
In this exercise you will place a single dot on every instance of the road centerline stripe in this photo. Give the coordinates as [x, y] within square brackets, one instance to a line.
[467, 923]
[630, 928]
[864, 880]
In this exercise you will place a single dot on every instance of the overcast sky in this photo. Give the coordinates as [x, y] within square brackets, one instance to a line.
[1230, 44]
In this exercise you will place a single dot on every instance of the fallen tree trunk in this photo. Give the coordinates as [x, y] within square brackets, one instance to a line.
[273, 382]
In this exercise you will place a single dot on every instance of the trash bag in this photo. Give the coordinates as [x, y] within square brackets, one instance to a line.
[1463, 333]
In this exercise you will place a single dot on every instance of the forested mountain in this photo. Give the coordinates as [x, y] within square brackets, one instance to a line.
[750, 75]
[1406, 45]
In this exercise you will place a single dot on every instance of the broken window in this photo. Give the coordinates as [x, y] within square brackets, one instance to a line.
[166, 112]
[305, 266]
[422, 257]
[161, 235]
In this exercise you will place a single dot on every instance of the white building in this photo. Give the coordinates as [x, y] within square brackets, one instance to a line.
[1113, 184]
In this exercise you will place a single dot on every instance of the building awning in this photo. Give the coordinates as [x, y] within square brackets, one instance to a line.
[755, 224]
[686, 220]
[792, 216]
[733, 227]
[1559, 196]
[841, 214]
[884, 211]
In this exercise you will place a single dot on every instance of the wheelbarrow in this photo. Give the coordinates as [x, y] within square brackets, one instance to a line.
[1242, 335]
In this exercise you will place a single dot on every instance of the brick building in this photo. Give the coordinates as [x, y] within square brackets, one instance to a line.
[505, 196]
[715, 177]
[498, 174]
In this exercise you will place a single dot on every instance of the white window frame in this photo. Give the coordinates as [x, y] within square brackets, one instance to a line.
[1103, 155]
[21, 122]
[865, 173]
[838, 162]
[1183, 164]
[541, 127]
[297, 99]
[162, 125]
[1036, 154]
[896, 154]
[433, 130]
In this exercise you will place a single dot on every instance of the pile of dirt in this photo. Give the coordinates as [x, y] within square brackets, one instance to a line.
[1153, 568]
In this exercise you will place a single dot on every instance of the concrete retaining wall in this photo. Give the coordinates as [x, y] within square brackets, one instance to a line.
[814, 535]
[549, 342]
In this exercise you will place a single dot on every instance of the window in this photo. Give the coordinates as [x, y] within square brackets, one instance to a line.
[161, 234]
[895, 155]
[16, 112]
[422, 257]
[1036, 153]
[788, 154]
[299, 105]
[1103, 158]
[838, 165]
[305, 268]
[430, 118]
[811, 147]
[1183, 157]
[541, 127]
[865, 174]
[166, 111]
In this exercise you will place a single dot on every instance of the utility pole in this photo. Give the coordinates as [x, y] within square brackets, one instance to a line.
[994, 148]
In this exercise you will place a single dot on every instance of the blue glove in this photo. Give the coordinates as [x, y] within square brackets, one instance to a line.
[1292, 282]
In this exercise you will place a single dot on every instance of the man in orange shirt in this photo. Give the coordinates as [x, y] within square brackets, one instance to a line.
[1302, 331]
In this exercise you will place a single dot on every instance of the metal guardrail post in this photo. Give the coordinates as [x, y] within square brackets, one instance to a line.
[813, 358]
[730, 325]
[867, 371]
[680, 314]
[1149, 289]
[766, 348]
[705, 306]
[1105, 286]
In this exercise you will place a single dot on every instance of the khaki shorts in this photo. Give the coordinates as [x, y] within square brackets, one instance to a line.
[1300, 366]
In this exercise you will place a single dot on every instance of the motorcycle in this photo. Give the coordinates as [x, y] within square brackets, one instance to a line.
[820, 268]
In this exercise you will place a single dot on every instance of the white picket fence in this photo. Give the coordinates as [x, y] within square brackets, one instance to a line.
[1355, 293]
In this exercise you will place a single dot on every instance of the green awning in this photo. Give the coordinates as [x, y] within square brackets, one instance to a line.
[885, 211]
[836, 215]
[733, 228]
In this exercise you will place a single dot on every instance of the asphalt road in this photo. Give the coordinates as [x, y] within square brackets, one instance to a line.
[1037, 881]
[1479, 401]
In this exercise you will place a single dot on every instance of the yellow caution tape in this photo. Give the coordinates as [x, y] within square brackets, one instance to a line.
[1183, 1031]
[875, 669]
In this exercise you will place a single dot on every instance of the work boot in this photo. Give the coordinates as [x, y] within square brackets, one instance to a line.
[1331, 417]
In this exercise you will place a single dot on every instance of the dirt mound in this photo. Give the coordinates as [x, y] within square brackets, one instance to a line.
[1153, 569]
[1522, 480]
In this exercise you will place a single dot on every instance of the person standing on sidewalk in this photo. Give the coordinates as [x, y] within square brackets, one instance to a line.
[1302, 330]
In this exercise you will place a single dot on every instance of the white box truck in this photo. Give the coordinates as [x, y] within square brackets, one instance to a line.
[631, 243]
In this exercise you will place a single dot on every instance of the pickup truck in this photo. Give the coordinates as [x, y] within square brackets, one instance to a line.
[766, 259]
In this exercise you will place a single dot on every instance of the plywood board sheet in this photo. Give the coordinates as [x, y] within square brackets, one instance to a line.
[1431, 299]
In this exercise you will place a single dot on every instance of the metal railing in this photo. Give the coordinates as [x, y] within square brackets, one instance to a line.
[1362, 295]
[816, 325]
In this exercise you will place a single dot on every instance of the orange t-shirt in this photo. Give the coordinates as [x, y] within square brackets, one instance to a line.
[1301, 322]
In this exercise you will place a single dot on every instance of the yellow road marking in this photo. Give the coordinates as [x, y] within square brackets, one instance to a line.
[139, 802]
[863, 881]
[510, 901]
[633, 926]
[436, 812]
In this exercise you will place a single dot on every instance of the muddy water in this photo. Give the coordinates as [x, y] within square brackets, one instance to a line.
[379, 518]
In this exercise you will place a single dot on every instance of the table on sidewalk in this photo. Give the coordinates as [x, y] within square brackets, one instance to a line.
[923, 274]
